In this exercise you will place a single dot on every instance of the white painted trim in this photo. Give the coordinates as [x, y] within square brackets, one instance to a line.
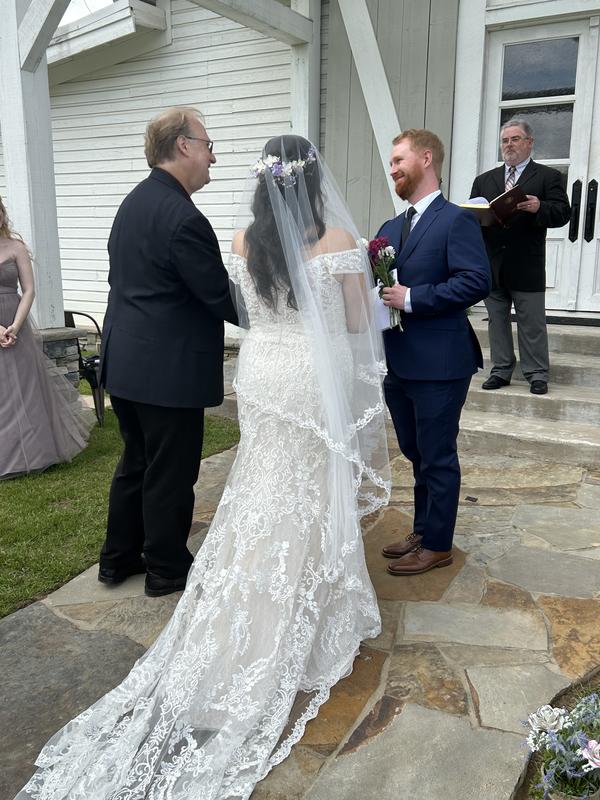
[305, 79]
[516, 14]
[124, 18]
[128, 47]
[373, 81]
[267, 16]
[467, 121]
[36, 29]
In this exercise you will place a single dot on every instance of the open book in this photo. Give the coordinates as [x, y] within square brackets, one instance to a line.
[499, 210]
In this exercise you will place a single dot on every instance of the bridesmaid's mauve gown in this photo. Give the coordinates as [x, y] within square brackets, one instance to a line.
[41, 418]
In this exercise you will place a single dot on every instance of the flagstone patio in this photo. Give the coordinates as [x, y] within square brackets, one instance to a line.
[435, 704]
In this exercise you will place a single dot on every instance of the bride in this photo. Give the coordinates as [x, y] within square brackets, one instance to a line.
[279, 598]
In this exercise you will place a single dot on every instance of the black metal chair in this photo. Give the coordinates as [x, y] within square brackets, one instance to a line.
[89, 366]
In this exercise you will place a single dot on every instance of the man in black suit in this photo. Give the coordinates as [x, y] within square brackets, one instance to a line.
[517, 255]
[162, 353]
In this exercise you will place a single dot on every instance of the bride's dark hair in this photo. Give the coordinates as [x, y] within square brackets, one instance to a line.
[265, 256]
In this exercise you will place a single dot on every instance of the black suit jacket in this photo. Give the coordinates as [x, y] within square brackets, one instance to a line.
[169, 294]
[517, 253]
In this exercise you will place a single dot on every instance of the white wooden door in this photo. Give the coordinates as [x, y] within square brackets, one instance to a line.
[548, 75]
[588, 296]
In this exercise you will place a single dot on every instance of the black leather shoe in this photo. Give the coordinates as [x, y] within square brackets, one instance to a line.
[157, 586]
[495, 382]
[538, 387]
[116, 576]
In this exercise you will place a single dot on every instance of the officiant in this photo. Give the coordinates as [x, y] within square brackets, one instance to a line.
[517, 254]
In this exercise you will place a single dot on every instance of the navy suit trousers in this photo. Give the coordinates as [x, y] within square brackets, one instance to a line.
[426, 418]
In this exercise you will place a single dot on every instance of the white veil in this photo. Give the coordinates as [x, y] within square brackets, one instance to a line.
[308, 225]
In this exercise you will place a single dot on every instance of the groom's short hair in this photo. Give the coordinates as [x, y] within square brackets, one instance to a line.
[163, 130]
[422, 139]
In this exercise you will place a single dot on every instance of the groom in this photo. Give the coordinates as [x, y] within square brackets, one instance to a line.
[162, 353]
[442, 269]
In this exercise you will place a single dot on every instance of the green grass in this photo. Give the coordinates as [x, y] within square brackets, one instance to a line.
[52, 524]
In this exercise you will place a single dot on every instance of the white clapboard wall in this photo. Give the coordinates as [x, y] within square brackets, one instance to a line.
[324, 62]
[237, 77]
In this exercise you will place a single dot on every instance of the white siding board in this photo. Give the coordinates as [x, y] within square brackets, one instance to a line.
[324, 65]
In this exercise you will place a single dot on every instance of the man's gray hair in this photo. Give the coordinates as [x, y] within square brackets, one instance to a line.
[518, 123]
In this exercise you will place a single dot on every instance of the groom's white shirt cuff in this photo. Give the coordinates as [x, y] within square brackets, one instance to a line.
[407, 305]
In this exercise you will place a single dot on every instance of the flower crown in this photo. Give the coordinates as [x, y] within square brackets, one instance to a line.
[283, 171]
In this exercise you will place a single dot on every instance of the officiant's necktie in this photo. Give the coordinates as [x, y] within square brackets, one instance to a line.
[410, 212]
[511, 178]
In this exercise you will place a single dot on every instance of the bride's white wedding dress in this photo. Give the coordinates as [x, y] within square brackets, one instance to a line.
[265, 627]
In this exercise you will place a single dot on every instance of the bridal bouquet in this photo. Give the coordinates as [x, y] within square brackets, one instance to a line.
[382, 257]
[568, 743]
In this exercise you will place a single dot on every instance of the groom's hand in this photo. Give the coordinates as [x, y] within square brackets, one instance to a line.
[395, 296]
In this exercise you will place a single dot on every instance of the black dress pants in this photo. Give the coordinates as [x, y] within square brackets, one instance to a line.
[152, 493]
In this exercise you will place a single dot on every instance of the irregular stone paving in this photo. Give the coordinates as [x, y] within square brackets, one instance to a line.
[433, 709]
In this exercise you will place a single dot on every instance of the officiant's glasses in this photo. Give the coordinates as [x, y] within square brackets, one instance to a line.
[209, 143]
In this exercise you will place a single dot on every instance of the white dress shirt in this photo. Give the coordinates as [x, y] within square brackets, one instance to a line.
[518, 169]
[420, 208]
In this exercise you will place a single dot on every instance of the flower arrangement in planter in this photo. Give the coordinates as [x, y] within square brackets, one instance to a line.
[568, 743]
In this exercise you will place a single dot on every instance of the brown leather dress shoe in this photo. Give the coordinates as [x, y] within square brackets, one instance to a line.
[399, 549]
[420, 560]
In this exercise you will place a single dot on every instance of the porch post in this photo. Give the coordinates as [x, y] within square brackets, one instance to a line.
[306, 75]
[27, 144]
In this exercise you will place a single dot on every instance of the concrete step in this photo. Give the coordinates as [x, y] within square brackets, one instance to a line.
[580, 339]
[580, 404]
[567, 369]
[514, 435]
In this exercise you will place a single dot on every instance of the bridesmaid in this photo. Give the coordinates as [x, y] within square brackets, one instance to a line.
[41, 419]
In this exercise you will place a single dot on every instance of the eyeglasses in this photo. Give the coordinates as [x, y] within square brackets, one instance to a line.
[210, 144]
[514, 139]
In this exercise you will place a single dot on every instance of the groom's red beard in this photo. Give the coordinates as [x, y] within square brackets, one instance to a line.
[406, 182]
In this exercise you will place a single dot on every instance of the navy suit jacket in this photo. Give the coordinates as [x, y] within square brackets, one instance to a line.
[445, 264]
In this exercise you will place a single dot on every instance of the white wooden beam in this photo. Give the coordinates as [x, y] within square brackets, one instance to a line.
[267, 16]
[29, 166]
[106, 26]
[37, 28]
[65, 66]
[373, 81]
[305, 85]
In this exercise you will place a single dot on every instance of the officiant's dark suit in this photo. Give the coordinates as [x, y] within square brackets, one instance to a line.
[162, 355]
[517, 254]
[442, 270]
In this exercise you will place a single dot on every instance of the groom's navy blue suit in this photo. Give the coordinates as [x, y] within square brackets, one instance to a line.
[430, 362]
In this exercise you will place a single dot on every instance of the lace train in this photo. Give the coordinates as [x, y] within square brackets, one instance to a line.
[203, 713]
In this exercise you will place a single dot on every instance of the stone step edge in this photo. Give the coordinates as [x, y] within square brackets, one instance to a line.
[480, 324]
[574, 360]
[516, 427]
[558, 392]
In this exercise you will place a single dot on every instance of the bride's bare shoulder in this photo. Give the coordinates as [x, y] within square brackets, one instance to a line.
[336, 240]
[238, 243]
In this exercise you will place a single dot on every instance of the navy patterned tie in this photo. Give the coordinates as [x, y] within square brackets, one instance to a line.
[410, 212]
